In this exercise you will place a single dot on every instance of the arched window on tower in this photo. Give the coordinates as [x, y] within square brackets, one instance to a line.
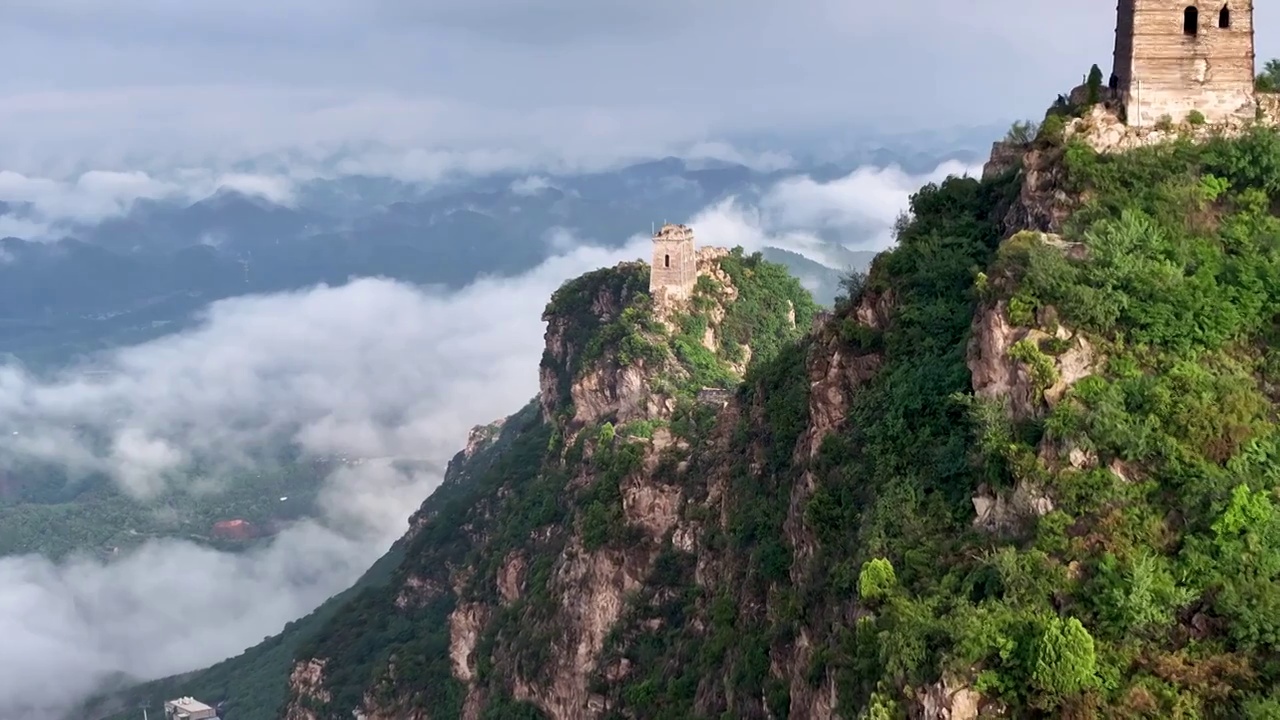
[666, 261]
[1191, 21]
[1224, 17]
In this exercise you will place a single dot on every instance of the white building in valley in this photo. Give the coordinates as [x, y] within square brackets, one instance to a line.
[188, 708]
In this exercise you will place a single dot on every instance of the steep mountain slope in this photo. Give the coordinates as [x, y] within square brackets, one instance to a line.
[569, 515]
[1032, 476]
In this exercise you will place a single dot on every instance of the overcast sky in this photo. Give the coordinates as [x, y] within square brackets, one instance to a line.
[116, 82]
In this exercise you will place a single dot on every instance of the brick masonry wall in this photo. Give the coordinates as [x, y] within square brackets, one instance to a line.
[674, 269]
[1171, 73]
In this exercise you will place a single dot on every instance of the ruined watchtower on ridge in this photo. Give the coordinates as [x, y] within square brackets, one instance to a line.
[1173, 57]
[674, 270]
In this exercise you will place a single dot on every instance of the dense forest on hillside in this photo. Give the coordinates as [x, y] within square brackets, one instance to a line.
[1148, 590]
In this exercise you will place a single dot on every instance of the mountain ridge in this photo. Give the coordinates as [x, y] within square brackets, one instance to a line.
[170, 257]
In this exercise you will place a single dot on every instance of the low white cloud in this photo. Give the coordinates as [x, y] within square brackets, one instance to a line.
[262, 366]
[427, 165]
[20, 228]
[58, 202]
[87, 197]
[730, 223]
[367, 369]
[212, 238]
[373, 368]
[531, 185]
[98, 194]
[764, 161]
[187, 85]
[165, 607]
[561, 239]
[278, 190]
[404, 135]
[103, 183]
[859, 209]
[866, 197]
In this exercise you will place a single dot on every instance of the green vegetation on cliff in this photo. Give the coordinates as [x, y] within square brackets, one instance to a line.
[892, 486]
[389, 645]
[606, 316]
[1149, 590]
[622, 328]
[1166, 546]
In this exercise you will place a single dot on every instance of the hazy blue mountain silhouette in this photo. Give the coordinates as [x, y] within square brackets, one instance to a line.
[140, 275]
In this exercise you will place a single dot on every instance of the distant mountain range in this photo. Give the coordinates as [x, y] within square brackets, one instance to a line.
[140, 275]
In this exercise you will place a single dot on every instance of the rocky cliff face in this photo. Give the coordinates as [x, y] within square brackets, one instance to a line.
[616, 455]
[577, 375]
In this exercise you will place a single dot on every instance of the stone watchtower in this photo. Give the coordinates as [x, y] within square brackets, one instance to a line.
[674, 271]
[1176, 56]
